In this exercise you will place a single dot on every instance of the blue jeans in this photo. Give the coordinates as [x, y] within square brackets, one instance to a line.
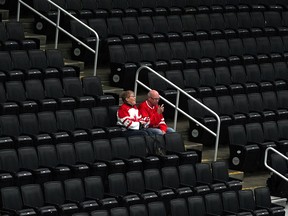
[157, 131]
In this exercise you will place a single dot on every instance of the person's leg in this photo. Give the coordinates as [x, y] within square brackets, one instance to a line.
[155, 131]
[170, 130]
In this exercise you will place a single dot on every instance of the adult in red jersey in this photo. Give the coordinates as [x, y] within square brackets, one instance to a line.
[128, 115]
[151, 110]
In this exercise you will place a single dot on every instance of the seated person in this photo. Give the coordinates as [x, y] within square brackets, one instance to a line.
[151, 110]
[128, 115]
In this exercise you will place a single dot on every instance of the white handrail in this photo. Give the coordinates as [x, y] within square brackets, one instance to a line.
[63, 30]
[269, 167]
[177, 104]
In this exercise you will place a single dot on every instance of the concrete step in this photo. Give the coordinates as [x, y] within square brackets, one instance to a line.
[42, 38]
[80, 64]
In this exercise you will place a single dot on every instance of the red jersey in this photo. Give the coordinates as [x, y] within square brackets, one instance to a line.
[129, 117]
[156, 119]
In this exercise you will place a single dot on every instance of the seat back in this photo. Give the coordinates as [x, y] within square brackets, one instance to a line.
[117, 184]
[246, 199]
[50, 189]
[53, 88]
[237, 135]
[120, 147]
[187, 174]
[83, 118]
[66, 153]
[65, 120]
[152, 179]
[92, 85]
[84, 151]
[34, 89]
[32, 195]
[94, 187]
[156, 209]
[11, 198]
[47, 155]
[15, 91]
[203, 172]
[9, 160]
[54, 58]
[102, 149]
[170, 177]
[196, 206]
[100, 116]
[220, 171]
[262, 197]
[137, 146]
[174, 142]
[29, 123]
[72, 86]
[74, 190]
[47, 122]
[135, 181]
[230, 201]
[28, 157]
[138, 209]
[179, 207]
[213, 204]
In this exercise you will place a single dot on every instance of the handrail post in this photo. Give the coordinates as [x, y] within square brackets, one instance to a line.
[176, 110]
[96, 54]
[18, 11]
[57, 29]
[217, 138]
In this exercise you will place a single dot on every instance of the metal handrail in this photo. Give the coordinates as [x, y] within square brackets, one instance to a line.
[179, 90]
[63, 30]
[269, 167]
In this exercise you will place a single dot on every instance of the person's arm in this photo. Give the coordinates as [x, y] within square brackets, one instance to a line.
[154, 117]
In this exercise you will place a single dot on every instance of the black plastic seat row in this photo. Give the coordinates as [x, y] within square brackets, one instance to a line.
[252, 139]
[162, 56]
[12, 37]
[223, 80]
[61, 126]
[90, 193]
[228, 203]
[174, 27]
[72, 197]
[103, 156]
[34, 64]
[50, 95]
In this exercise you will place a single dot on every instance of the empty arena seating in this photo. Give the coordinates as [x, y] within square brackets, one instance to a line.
[34, 64]
[13, 38]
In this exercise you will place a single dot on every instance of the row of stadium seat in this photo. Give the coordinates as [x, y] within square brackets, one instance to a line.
[239, 109]
[143, 27]
[224, 80]
[12, 37]
[34, 64]
[252, 139]
[161, 56]
[45, 162]
[33, 95]
[35, 199]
